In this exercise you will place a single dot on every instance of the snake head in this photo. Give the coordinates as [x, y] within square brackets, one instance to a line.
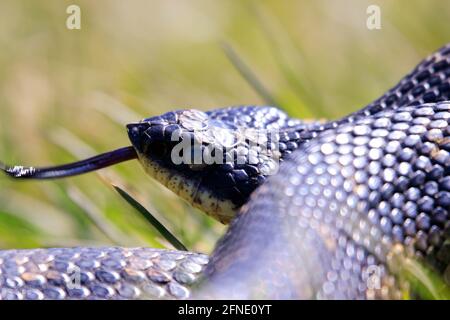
[214, 165]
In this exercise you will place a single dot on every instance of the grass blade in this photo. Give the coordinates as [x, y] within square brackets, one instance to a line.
[151, 219]
[95, 215]
[248, 74]
[291, 63]
[425, 281]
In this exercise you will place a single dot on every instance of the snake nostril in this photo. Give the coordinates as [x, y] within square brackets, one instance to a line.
[136, 134]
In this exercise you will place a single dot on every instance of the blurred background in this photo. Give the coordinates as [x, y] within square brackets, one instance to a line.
[67, 94]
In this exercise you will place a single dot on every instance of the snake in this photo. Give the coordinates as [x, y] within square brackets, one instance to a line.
[316, 209]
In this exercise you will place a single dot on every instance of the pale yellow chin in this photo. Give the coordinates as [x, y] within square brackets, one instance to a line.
[190, 190]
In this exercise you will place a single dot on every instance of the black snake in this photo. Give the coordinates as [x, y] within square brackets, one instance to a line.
[344, 200]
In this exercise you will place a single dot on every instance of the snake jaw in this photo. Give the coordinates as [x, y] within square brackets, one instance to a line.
[190, 188]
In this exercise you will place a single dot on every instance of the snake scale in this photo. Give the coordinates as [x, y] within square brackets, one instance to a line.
[313, 215]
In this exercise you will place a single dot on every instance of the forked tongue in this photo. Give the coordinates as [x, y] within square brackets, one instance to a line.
[71, 169]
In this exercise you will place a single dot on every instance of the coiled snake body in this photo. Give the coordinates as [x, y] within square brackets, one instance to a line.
[350, 197]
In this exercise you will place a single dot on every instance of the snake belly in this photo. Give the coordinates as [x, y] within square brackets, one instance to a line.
[354, 191]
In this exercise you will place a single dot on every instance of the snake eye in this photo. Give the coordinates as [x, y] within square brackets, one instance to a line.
[157, 149]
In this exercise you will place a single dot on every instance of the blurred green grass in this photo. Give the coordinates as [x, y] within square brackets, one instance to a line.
[67, 94]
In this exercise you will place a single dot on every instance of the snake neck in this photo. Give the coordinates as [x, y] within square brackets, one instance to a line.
[338, 208]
